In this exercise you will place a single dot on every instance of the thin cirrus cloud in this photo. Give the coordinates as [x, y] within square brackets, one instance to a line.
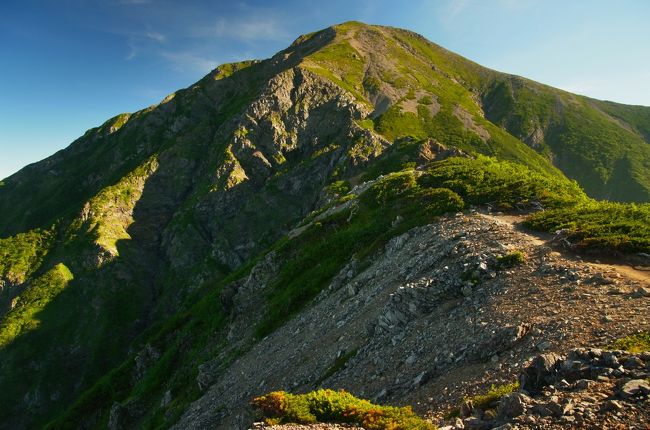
[184, 61]
[135, 40]
[248, 30]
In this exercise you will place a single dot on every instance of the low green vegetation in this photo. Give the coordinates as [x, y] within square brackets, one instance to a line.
[22, 254]
[314, 257]
[502, 184]
[622, 227]
[511, 259]
[634, 343]
[490, 399]
[603, 145]
[329, 406]
[412, 197]
[487, 401]
[24, 314]
[338, 188]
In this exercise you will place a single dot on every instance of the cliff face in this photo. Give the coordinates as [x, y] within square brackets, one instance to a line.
[135, 263]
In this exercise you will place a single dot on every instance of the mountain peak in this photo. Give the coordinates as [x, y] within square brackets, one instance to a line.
[329, 195]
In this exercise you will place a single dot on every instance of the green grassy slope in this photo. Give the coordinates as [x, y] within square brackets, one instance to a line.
[602, 145]
[118, 241]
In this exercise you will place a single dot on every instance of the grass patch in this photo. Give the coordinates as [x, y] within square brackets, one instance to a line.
[511, 259]
[22, 254]
[634, 343]
[501, 183]
[323, 406]
[487, 400]
[23, 317]
[494, 394]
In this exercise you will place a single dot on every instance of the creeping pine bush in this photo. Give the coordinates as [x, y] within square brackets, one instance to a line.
[638, 342]
[511, 259]
[336, 406]
[623, 227]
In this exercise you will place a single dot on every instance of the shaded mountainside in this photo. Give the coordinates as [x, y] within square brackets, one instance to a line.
[141, 263]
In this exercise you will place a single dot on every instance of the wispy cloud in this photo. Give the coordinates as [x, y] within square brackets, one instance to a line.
[153, 35]
[455, 8]
[249, 29]
[189, 61]
[136, 40]
[133, 51]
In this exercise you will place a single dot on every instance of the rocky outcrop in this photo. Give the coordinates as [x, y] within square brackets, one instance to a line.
[587, 388]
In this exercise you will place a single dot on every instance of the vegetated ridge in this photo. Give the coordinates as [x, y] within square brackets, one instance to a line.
[172, 264]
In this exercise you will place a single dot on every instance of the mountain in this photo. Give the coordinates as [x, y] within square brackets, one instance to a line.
[276, 226]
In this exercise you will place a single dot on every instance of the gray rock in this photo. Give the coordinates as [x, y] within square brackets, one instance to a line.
[633, 362]
[513, 404]
[641, 292]
[474, 423]
[612, 405]
[633, 388]
[583, 384]
[610, 360]
[421, 379]
[543, 346]
[542, 371]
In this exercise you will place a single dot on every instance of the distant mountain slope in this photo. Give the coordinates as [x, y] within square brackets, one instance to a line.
[126, 249]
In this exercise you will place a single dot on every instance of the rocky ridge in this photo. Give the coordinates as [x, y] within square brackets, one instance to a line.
[433, 318]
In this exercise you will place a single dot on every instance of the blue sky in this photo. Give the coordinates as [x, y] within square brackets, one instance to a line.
[69, 65]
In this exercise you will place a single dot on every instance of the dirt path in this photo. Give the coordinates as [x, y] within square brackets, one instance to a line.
[541, 239]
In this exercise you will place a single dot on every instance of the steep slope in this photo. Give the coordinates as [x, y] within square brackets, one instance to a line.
[124, 256]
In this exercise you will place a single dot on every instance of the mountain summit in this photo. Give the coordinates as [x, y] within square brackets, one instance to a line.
[280, 206]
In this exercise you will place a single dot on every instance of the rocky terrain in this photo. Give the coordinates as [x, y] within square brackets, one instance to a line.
[588, 389]
[432, 320]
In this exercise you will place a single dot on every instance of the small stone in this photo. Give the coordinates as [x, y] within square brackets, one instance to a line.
[466, 291]
[513, 404]
[543, 346]
[635, 387]
[507, 426]
[166, 400]
[474, 423]
[610, 360]
[583, 384]
[466, 408]
[641, 292]
[421, 379]
[607, 318]
[612, 405]
[633, 362]
[563, 384]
